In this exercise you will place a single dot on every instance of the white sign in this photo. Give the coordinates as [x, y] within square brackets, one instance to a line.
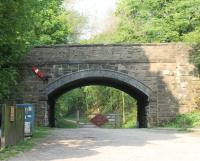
[27, 128]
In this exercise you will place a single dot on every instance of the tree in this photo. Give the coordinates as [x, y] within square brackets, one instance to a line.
[24, 24]
[97, 99]
[149, 21]
[51, 24]
[158, 20]
[70, 102]
[14, 35]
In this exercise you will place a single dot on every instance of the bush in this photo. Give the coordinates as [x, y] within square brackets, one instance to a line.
[188, 120]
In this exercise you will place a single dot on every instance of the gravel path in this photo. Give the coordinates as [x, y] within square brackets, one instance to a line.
[115, 145]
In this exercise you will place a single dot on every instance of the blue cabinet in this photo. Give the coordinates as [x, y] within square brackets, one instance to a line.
[29, 118]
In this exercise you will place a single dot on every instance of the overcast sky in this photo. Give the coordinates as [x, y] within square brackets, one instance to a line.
[96, 11]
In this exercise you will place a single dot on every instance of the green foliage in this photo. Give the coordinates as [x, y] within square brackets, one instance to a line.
[70, 102]
[8, 80]
[187, 120]
[154, 21]
[76, 22]
[24, 24]
[50, 23]
[104, 38]
[14, 33]
[63, 123]
[91, 100]
[131, 121]
[158, 20]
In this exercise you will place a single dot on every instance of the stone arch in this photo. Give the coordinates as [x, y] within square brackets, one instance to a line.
[111, 78]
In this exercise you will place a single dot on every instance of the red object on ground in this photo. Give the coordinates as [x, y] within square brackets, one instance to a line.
[38, 72]
[99, 120]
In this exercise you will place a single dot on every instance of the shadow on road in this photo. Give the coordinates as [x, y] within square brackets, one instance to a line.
[86, 144]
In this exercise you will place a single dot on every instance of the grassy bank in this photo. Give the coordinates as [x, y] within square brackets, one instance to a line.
[188, 120]
[27, 144]
[64, 123]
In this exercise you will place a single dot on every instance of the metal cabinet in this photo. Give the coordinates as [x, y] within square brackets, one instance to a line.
[29, 118]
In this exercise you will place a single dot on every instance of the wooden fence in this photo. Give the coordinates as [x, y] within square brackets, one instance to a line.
[12, 128]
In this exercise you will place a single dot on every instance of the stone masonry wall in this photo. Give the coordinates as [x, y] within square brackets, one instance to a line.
[164, 68]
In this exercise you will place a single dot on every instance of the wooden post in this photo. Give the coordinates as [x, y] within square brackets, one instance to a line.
[2, 126]
[117, 120]
[123, 108]
[77, 118]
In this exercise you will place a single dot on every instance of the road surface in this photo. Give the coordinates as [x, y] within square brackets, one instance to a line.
[95, 144]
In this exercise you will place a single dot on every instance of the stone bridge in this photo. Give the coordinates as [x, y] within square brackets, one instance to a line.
[158, 76]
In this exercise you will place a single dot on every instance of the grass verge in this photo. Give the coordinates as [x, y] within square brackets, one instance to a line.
[184, 121]
[64, 123]
[27, 144]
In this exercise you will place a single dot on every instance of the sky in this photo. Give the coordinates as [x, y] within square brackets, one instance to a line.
[96, 12]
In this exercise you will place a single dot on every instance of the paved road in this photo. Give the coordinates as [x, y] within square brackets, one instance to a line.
[115, 145]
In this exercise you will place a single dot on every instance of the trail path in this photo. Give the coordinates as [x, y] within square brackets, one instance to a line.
[95, 144]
